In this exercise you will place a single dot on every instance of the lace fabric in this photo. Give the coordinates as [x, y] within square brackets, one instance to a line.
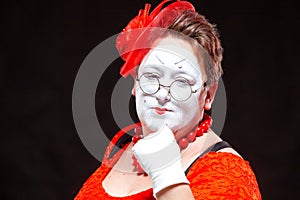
[214, 176]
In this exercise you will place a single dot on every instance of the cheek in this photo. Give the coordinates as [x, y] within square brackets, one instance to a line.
[192, 105]
[191, 111]
[142, 106]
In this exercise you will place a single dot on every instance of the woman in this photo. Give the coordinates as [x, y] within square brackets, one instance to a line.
[174, 55]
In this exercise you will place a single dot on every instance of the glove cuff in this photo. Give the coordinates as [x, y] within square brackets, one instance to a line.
[174, 174]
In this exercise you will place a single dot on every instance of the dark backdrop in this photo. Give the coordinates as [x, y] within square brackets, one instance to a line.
[43, 44]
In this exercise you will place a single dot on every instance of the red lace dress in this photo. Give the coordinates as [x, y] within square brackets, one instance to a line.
[214, 176]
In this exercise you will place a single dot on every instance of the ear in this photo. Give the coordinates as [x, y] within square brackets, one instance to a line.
[210, 95]
[133, 88]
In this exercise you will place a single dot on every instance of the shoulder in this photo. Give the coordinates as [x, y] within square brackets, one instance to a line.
[216, 139]
[230, 150]
[223, 174]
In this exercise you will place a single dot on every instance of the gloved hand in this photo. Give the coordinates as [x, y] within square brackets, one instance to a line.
[159, 156]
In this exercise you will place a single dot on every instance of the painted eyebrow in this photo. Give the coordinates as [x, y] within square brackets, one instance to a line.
[158, 68]
[164, 63]
[159, 59]
[179, 61]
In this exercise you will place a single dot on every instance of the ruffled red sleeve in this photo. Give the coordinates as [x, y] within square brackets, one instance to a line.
[223, 176]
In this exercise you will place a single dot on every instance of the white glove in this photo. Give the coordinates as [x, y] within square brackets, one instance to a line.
[159, 156]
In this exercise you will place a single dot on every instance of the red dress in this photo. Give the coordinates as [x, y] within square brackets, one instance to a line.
[214, 176]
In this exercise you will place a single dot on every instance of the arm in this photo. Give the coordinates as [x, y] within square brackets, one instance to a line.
[159, 156]
[223, 175]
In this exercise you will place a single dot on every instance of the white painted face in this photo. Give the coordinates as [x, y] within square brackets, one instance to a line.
[170, 60]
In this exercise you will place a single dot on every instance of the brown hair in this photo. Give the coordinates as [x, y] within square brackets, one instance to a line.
[195, 26]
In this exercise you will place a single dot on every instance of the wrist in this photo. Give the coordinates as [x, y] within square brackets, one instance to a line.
[168, 176]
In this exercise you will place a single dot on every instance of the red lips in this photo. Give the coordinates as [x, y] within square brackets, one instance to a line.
[161, 111]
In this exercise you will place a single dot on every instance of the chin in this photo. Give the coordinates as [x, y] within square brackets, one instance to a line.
[154, 122]
[173, 125]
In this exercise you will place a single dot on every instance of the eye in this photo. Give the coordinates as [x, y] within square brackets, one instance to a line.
[182, 82]
[185, 78]
[151, 76]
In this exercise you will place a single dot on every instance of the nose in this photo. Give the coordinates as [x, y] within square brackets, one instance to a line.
[163, 95]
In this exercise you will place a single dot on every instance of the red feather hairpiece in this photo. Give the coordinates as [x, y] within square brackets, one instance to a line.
[134, 40]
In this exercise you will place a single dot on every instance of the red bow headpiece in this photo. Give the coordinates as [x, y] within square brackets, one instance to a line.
[133, 42]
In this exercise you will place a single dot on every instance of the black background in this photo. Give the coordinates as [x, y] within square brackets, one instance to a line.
[43, 44]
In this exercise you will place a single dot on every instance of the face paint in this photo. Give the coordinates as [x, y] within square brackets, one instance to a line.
[169, 63]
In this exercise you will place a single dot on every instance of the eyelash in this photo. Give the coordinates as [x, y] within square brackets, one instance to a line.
[185, 80]
[152, 75]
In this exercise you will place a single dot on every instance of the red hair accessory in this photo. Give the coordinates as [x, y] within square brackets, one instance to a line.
[133, 43]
